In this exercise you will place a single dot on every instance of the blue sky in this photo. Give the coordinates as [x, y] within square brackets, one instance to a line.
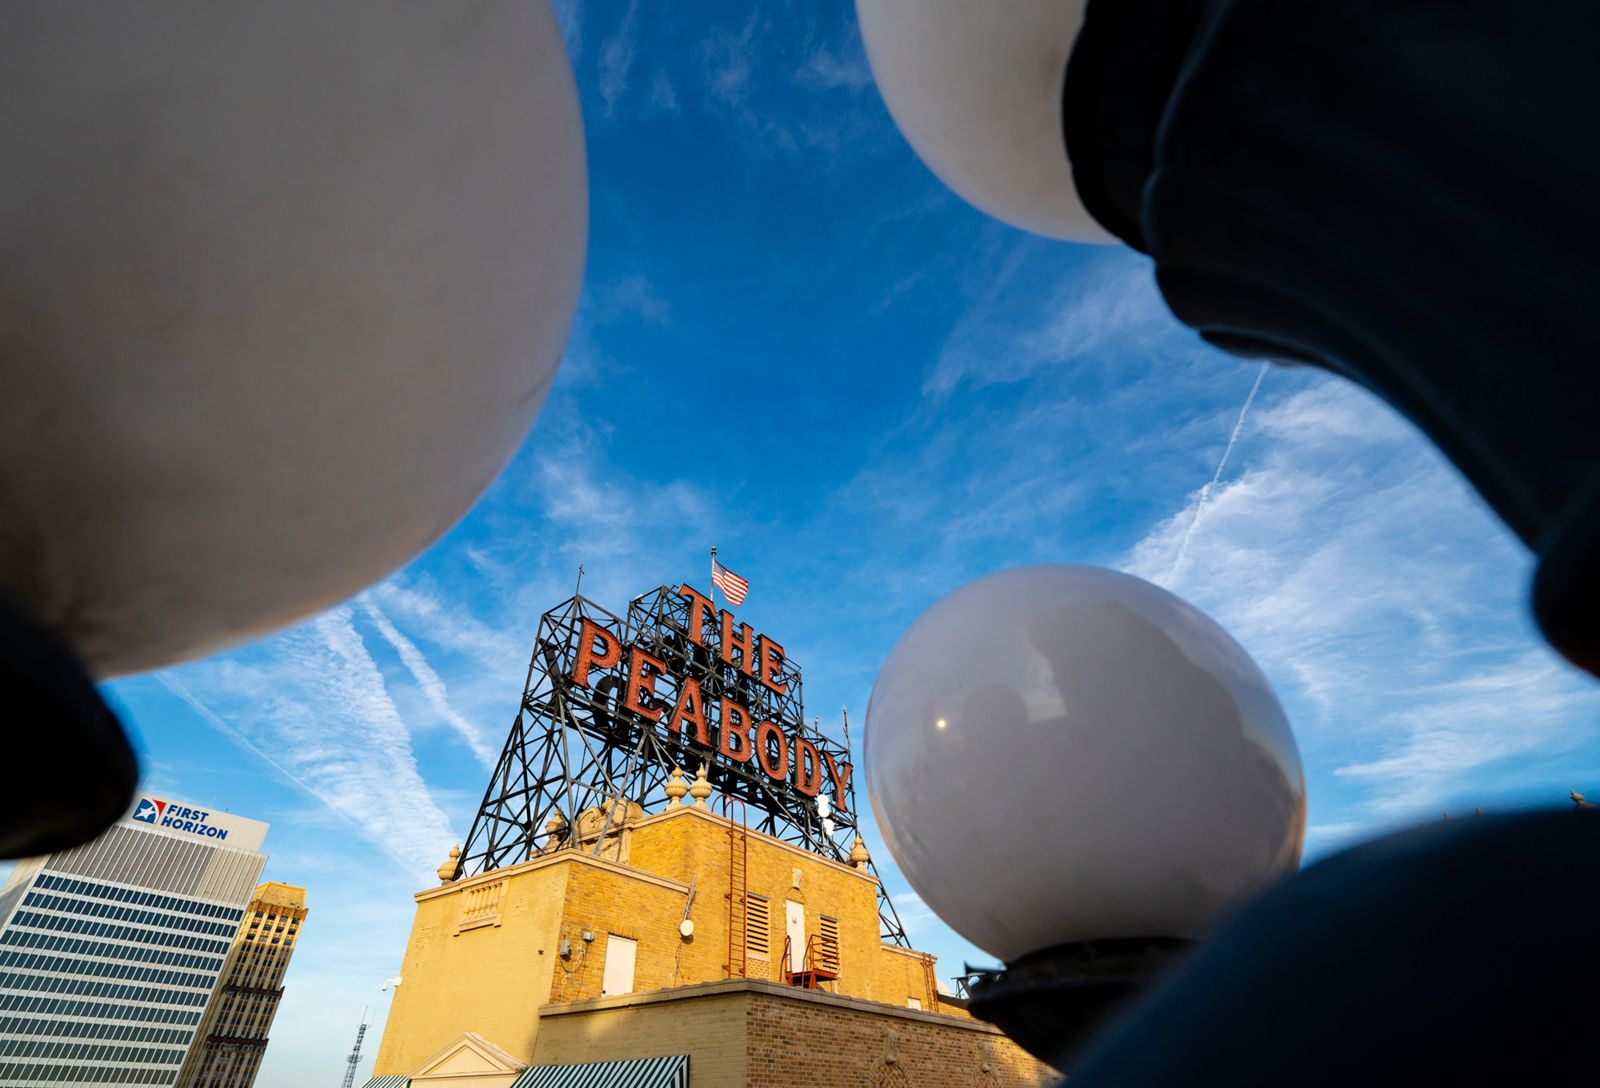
[796, 344]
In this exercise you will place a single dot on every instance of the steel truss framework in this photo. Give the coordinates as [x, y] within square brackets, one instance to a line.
[573, 749]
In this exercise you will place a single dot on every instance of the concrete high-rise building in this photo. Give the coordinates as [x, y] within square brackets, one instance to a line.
[110, 951]
[232, 1038]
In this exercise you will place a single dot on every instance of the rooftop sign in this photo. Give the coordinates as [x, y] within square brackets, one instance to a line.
[189, 821]
[613, 704]
[732, 726]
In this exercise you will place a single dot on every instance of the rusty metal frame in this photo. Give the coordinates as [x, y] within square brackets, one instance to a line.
[571, 749]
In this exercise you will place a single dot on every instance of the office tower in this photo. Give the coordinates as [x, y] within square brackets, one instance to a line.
[232, 1038]
[110, 951]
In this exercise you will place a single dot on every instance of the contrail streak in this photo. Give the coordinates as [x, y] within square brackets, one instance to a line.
[213, 719]
[1205, 492]
[428, 681]
[181, 690]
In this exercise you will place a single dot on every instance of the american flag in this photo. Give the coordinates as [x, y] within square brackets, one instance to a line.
[730, 583]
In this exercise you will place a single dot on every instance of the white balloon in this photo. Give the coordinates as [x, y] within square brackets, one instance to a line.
[1064, 753]
[976, 89]
[284, 287]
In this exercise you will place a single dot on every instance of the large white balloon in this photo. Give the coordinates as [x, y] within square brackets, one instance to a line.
[284, 286]
[1063, 753]
[976, 89]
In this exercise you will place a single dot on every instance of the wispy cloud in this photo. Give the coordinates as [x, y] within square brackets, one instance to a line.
[914, 914]
[1375, 590]
[608, 511]
[433, 688]
[569, 17]
[450, 624]
[826, 70]
[630, 296]
[369, 771]
[1324, 833]
[729, 74]
[616, 58]
[1222, 465]
[1004, 335]
[662, 94]
[175, 685]
[318, 710]
[1531, 703]
[727, 55]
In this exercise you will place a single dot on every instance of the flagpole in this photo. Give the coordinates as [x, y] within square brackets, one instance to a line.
[713, 579]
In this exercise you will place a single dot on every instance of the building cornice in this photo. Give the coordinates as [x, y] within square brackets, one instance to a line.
[912, 952]
[765, 988]
[722, 822]
[559, 857]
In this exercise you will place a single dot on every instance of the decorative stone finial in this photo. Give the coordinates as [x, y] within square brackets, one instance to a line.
[590, 820]
[556, 826]
[701, 789]
[858, 854]
[451, 869]
[676, 787]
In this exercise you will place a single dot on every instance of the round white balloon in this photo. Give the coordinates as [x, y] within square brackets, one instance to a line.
[976, 89]
[1064, 753]
[284, 287]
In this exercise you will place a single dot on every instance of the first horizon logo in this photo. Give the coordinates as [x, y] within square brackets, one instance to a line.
[178, 818]
[149, 810]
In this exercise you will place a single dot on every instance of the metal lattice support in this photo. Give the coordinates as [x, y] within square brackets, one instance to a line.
[355, 1053]
[575, 754]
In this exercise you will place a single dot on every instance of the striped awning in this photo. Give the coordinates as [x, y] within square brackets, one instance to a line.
[669, 1072]
[389, 1082]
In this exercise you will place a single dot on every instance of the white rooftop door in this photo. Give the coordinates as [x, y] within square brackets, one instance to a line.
[795, 927]
[620, 954]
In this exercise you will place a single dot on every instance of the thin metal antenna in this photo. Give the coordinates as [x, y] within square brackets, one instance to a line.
[355, 1052]
[579, 589]
[844, 714]
[888, 917]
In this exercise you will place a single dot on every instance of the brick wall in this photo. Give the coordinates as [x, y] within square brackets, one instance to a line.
[710, 1029]
[793, 1042]
[490, 979]
[902, 974]
[768, 1035]
[605, 903]
[484, 953]
[692, 844]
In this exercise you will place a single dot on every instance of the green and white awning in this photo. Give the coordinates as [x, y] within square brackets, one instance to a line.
[389, 1082]
[668, 1072]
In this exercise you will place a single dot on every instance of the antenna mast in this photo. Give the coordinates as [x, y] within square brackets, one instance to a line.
[355, 1052]
[844, 714]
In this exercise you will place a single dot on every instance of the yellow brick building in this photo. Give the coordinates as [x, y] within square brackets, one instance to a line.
[688, 948]
[232, 1039]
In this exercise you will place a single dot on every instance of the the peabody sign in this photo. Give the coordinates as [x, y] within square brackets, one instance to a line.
[714, 684]
[614, 705]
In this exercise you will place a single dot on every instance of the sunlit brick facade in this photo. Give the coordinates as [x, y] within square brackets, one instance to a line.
[583, 955]
[233, 1037]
